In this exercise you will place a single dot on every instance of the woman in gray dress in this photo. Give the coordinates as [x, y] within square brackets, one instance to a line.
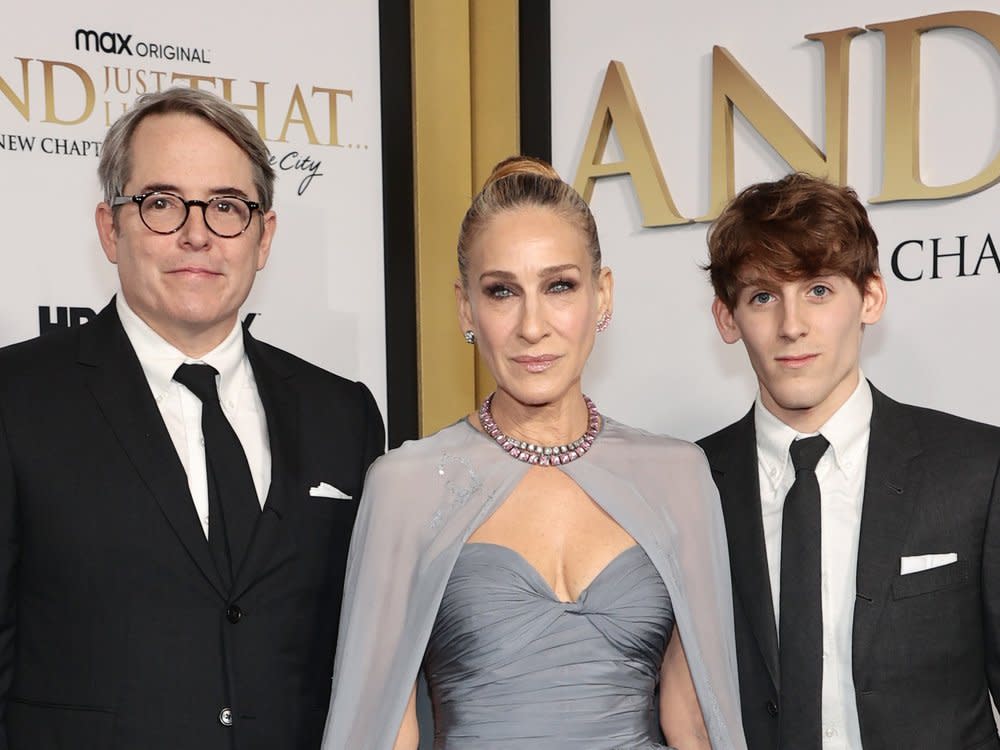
[546, 566]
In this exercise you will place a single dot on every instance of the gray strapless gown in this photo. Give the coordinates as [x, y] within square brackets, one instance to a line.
[510, 666]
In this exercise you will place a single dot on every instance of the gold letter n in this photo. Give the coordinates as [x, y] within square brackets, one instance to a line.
[733, 87]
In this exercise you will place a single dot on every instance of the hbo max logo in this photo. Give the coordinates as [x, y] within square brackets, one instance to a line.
[64, 317]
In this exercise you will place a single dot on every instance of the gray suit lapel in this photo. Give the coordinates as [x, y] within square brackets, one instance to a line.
[739, 486]
[113, 374]
[891, 481]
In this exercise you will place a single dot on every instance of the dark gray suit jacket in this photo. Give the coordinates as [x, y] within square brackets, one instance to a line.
[115, 630]
[926, 648]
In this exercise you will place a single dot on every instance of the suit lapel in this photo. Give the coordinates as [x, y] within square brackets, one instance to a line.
[890, 490]
[281, 409]
[739, 487]
[114, 376]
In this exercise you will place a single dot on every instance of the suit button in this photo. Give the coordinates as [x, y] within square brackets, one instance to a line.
[233, 613]
[772, 708]
[226, 717]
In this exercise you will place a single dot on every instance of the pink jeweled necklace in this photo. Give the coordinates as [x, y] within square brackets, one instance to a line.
[541, 455]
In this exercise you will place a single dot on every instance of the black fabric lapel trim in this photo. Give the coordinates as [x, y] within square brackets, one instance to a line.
[891, 480]
[114, 376]
[739, 486]
[281, 410]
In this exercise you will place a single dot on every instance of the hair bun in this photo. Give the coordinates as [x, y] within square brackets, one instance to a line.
[526, 182]
[522, 165]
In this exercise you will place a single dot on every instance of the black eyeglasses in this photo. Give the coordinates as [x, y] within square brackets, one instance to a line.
[165, 213]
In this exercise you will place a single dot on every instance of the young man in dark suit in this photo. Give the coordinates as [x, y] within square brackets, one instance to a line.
[176, 498]
[864, 534]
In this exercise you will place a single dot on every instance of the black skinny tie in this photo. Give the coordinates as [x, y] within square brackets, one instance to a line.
[233, 507]
[800, 616]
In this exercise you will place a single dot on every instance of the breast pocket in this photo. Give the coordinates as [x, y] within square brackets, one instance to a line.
[943, 578]
[326, 509]
[320, 523]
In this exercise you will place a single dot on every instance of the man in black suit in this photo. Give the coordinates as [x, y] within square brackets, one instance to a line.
[176, 498]
[864, 534]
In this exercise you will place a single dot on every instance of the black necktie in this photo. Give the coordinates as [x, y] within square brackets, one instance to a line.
[800, 616]
[233, 507]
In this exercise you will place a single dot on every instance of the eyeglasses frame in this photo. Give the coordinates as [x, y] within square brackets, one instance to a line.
[138, 199]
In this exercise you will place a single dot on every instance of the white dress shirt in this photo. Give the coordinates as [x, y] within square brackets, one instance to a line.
[181, 409]
[841, 476]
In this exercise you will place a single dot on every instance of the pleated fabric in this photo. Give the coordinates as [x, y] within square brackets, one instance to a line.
[508, 662]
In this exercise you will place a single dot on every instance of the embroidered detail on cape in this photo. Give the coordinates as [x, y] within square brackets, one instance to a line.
[460, 480]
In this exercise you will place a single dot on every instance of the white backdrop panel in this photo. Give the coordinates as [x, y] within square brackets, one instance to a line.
[662, 366]
[321, 295]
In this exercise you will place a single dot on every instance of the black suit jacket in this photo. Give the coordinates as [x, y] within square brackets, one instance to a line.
[115, 630]
[926, 646]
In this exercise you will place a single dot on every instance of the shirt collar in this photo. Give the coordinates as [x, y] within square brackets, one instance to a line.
[160, 359]
[847, 431]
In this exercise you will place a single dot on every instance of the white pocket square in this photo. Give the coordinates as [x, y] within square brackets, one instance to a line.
[919, 563]
[328, 490]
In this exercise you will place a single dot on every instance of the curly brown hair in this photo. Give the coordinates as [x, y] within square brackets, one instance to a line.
[794, 228]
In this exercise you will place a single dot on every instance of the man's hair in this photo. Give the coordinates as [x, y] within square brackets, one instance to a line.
[797, 227]
[115, 167]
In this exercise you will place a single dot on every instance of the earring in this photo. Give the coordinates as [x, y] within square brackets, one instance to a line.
[470, 337]
[603, 322]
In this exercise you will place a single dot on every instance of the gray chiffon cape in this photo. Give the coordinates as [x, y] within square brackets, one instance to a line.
[423, 500]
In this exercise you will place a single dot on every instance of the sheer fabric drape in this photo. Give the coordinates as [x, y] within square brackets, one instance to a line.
[423, 501]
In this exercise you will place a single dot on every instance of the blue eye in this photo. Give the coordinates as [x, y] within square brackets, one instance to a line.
[761, 298]
[561, 286]
[499, 291]
[820, 290]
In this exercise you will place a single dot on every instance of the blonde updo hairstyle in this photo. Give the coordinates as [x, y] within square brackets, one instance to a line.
[520, 182]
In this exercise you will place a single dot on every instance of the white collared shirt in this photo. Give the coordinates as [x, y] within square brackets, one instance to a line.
[181, 409]
[841, 476]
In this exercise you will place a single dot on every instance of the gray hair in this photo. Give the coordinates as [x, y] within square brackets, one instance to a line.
[517, 182]
[115, 166]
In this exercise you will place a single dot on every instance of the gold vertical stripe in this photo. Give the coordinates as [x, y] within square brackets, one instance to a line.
[442, 152]
[465, 119]
[495, 104]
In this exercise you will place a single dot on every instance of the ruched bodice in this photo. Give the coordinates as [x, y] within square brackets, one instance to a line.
[511, 666]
